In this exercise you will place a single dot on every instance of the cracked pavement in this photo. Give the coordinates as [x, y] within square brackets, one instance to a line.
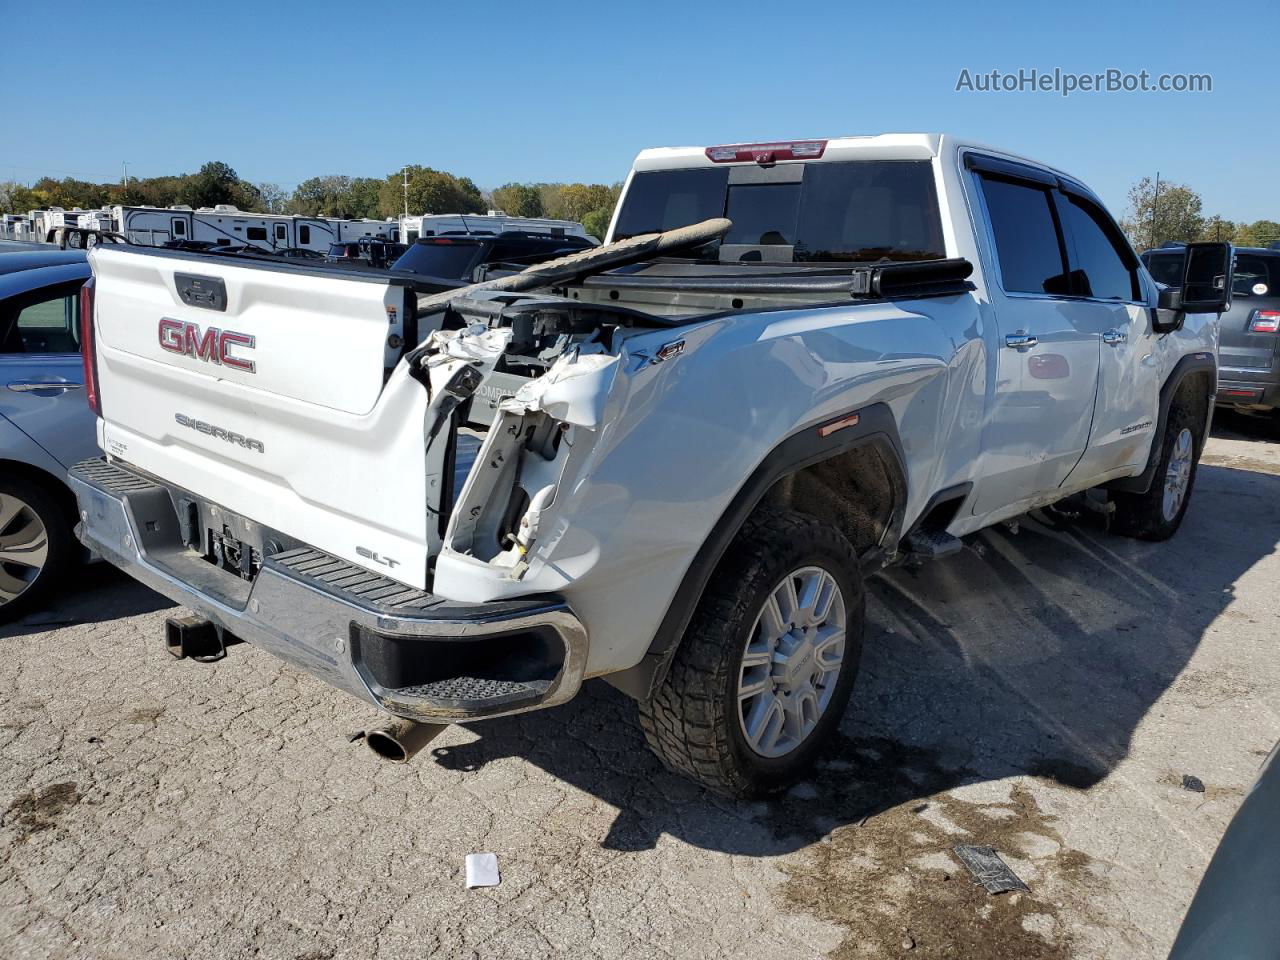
[1044, 693]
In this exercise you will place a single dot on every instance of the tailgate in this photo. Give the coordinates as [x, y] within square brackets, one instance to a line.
[265, 388]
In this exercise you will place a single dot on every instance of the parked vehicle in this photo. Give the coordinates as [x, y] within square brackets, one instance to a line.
[45, 426]
[367, 251]
[457, 255]
[798, 363]
[1236, 910]
[494, 222]
[1249, 376]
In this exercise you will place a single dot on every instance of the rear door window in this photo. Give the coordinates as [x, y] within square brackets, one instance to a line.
[44, 322]
[1028, 245]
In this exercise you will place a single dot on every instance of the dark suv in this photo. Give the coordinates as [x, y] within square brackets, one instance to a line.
[1249, 349]
[365, 252]
[454, 256]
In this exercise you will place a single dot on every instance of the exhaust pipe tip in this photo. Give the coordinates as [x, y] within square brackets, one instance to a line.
[399, 741]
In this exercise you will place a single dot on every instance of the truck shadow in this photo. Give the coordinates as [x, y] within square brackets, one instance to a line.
[94, 593]
[1034, 653]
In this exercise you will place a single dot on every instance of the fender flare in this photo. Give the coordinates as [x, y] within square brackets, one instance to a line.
[875, 427]
[1199, 362]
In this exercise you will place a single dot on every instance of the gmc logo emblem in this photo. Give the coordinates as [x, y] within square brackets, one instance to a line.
[212, 345]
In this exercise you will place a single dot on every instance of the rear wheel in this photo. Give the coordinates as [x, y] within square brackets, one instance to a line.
[1157, 514]
[767, 664]
[35, 545]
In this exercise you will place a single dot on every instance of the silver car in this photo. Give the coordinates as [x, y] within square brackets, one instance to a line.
[45, 424]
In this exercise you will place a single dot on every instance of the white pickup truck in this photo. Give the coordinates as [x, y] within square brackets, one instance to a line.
[669, 461]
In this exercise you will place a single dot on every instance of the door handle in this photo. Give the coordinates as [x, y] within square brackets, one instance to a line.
[1114, 336]
[30, 386]
[1020, 340]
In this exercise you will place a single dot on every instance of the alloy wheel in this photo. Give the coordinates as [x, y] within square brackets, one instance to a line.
[1177, 478]
[24, 547]
[792, 661]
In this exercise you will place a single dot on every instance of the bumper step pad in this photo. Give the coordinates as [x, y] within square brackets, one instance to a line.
[356, 584]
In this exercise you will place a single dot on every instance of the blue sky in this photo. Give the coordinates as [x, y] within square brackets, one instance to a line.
[552, 91]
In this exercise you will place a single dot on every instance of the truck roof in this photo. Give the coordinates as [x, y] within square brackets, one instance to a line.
[881, 146]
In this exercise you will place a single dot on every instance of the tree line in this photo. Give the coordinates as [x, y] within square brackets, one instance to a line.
[1174, 213]
[1157, 214]
[428, 191]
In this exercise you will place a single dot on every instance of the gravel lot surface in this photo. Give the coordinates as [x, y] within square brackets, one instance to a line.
[1045, 693]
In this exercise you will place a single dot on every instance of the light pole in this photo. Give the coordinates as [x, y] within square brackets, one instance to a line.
[125, 164]
[1155, 203]
[406, 190]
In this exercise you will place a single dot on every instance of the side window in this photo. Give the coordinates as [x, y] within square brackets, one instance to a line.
[1028, 243]
[304, 234]
[282, 232]
[179, 227]
[1103, 264]
[48, 325]
[256, 233]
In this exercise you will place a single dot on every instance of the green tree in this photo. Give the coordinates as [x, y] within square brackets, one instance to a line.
[1260, 233]
[1172, 215]
[1217, 229]
[518, 200]
[17, 198]
[579, 199]
[216, 183]
[325, 196]
[273, 197]
[430, 191]
[596, 222]
[550, 195]
[364, 197]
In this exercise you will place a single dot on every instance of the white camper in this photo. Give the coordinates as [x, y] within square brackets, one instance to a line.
[350, 230]
[152, 226]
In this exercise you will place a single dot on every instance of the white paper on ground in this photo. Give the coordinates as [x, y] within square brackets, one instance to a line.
[482, 870]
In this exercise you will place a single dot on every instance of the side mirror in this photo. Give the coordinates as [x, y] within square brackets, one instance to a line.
[1206, 278]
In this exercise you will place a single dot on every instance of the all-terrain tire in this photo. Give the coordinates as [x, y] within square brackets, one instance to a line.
[692, 720]
[1154, 515]
[38, 528]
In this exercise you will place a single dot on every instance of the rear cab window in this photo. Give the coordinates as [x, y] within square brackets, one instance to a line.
[834, 211]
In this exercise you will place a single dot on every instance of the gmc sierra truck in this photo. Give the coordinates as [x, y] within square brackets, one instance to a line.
[669, 461]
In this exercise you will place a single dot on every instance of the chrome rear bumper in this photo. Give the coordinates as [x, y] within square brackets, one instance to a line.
[412, 654]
